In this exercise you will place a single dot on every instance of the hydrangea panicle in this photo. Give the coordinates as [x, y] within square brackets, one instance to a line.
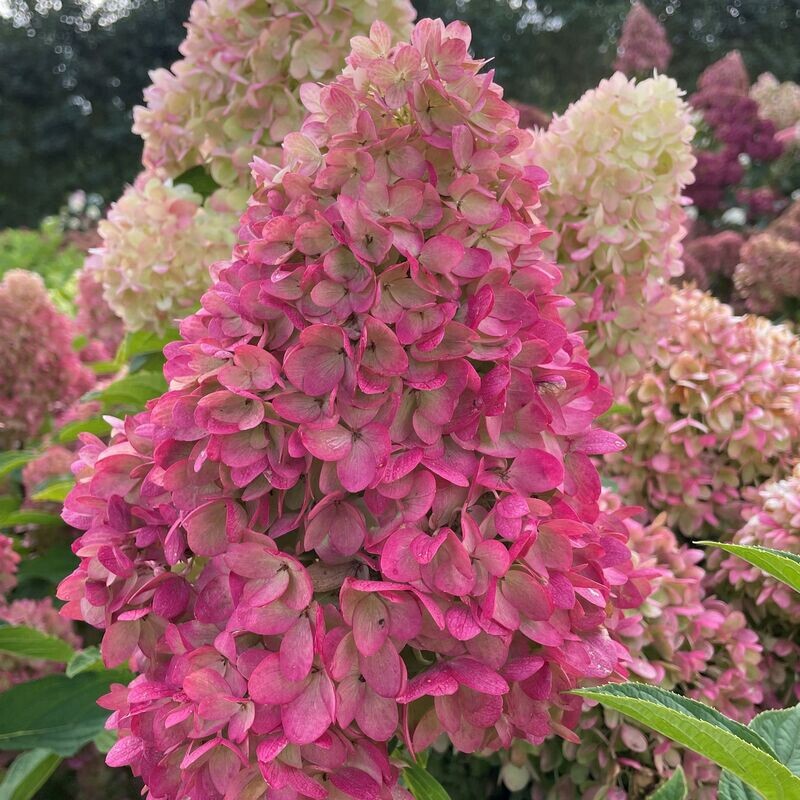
[365, 506]
[618, 160]
[644, 45]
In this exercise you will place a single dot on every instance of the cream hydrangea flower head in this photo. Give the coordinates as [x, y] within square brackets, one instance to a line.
[618, 161]
[158, 242]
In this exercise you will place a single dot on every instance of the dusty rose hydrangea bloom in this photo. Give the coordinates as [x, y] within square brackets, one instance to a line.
[710, 261]
[41, 615]
[365, 507]
[159, 241]
[769, 273]
[679, 638]
[618, 160]
[643, 45]
[718, 412]
[235, 91]
[40, 374]
[9, 561]
[95, 319]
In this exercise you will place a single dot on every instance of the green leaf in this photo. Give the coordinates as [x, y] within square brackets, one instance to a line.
[105, 740]
[133, 390]
[95, 425]
[14, 459]
[674, 789]
[55, 712]
[88, 659]
[422, 784]
[15, 518]
[52, 566]
[731, 745]
[200, 181]
[30, 643]
[54, 491]
[781, 565]
[782, 730]
[28, 773]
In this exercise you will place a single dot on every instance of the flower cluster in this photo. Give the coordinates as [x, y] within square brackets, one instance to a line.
[95, 319]
[772, 520]
[778, 102]
[9, 561]
[159, 241]
[768, 276]
[679, 638]
[44, 617]
[365, 507]
[643, 45]
[40, 374]
[618, 160]
[710, 261]
[736, 127]
[235, 92]
[718, 412]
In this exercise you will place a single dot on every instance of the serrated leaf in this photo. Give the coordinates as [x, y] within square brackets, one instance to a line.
[24, 642]
[674, 789]
[55, 712]
[16, 518]
[422, 784]
[88, 659]
[14, 459]
[781, 565]
[731, 745]
[95, 425]
[54, 491]
[200, 181]
[28, 773]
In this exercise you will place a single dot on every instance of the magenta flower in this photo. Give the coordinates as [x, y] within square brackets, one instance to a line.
[366, 507]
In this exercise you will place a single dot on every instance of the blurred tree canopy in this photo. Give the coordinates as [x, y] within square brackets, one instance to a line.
[73, 70]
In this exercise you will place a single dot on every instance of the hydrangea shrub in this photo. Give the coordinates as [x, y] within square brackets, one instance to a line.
[681, 638]
[40, 373]
[643, 45]
[618, 160]
[235, 91]
[365, 508]
[159, 241]
[718, 412]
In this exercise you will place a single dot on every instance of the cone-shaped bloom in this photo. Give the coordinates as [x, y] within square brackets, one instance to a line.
[718, 412]
[680, 638]
[235, 91]
[159, 241]
[40, 373]
[778, 102]
[643, 45]
[618, 160]
[365, 507]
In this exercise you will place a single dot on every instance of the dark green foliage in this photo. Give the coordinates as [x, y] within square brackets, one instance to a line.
[69, 85]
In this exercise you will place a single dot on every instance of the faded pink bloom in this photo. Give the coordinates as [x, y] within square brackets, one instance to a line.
[40, 374]
[710, 261]
[376, 443]
[777, 102]
[9, 561]
[54, 462]
[643, 45]
[95, 319]
[235, 93]
[719, 412]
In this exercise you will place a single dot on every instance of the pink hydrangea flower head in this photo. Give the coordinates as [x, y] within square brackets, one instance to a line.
[643, 45]
[679, 637]
[95, 319]
[9, 562]
[377, 443]
[768, 275]
[159, 241]
[711, 260]
[728, 74]
[235, 91]
[40, 374]
[718, 412]
[41, 615]
[616, 213]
